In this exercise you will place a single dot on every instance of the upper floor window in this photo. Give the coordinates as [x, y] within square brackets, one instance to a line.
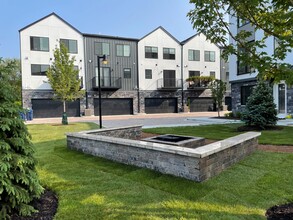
[193, 55]
[244, 68]
[194, 73]
[148, 74]
[209, 56]
[102, 48]
[242, 21]
[169, 53]
[127, 73]
[213, 74]
[39, 43]
[122, 50]
[70, 44]
[39, 69]
[151, 52]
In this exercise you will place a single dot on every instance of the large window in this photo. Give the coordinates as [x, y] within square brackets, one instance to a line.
[194, 73]
[209, 56]
[148, 74]
[245, 93]
[193, 55]
[151, 52]
[127, 73]
[169, 53]
[213, 74]
[102, 48]
[122, 50]
[39, 69]
[39, 43]
[70, 44]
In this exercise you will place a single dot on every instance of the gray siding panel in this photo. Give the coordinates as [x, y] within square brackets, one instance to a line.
[115, 63]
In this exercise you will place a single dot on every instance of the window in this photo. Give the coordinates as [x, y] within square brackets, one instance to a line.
[39, 69]
[122, 50]
[194, 73]
[148, 74]
[70, 44]
[40, 43]
[169, 53]
[193, 55]
[151, 52]
[209, 56]
[241, 22]
[102, 48]
[245, 93]
[127, 73]
[243, 68]
[213, 74]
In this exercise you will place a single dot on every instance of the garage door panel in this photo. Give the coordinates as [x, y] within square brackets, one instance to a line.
[201, 104]
[160, 105]
[48, 108]
[114, 106]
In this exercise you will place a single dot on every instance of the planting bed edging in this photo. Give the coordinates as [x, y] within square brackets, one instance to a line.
[196, 164]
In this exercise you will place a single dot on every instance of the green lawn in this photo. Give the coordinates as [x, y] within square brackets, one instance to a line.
[95, 188]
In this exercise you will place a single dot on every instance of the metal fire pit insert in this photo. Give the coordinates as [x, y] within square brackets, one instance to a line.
[178, 140]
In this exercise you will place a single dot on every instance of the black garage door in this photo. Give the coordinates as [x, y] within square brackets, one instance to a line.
[115, 106]
[201, 104]
[48, 108]
[160, 105]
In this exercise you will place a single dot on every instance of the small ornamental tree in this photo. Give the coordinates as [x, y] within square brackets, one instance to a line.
[260, 108]
[64, 79]
[19, 183]
[218, 88]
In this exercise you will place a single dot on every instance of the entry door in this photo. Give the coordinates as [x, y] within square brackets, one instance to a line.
[169, 78]
[281, 98]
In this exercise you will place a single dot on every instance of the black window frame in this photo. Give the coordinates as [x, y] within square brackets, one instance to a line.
[209, 52]
[192, 73]
[40, 72]
[245, 92]
[167, 55]
[152, 54]
[125, 74]
[148, 74]
[67, 44]
[244, 69]
[123, 50]
[38, 47]
[100, 45]
[193, 55]
[213, 74]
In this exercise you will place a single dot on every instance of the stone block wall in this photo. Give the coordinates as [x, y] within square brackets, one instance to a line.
[195, 164]
[131, 132]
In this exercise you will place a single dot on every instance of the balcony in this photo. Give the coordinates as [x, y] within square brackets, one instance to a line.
[169, 84]
[107, 83]
[199, 82]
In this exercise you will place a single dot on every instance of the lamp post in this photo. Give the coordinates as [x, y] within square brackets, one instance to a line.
[104, 60]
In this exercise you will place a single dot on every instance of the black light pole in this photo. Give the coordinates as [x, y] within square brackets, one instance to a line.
[103, 58]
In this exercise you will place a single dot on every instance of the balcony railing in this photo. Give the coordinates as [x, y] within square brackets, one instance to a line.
[199, 82]
[107, 83]
[169, 83]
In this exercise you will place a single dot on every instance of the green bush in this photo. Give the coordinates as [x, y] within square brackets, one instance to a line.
[19, 183]
[260, 107]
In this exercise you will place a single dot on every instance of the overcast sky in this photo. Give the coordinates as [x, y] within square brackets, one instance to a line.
[127, 18]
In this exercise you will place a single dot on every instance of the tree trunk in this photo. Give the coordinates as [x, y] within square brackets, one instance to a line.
[64, 106]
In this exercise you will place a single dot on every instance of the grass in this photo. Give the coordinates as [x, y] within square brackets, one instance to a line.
[221, 131]
[95, 188]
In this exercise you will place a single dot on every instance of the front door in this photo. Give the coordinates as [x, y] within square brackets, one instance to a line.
[282, 98]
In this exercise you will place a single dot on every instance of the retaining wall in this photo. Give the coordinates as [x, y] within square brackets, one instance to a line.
[196, 164]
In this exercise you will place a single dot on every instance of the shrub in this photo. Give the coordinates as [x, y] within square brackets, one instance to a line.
[19, 183]
[260, 108]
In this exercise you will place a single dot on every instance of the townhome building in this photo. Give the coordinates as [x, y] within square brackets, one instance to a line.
[243, 78]
[37, 43]
[147, 75]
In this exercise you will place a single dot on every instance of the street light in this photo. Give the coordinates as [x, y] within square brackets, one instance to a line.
[104, 60]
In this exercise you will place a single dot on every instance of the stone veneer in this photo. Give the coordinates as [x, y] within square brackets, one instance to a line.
[197, 164]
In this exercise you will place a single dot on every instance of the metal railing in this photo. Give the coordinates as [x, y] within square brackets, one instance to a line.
[107, 82]
[169, 83]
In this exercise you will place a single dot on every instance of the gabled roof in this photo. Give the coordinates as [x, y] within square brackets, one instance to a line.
[52, 14]
[110, 37]
[188, 39]
[163, 29]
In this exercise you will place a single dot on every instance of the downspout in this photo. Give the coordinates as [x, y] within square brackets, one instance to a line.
[138, 86]
[85, 73]
[182, 92]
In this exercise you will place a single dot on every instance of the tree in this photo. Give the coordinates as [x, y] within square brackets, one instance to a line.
[63, 78]
[14, 76]
[218, 88]
[273, 17]
[260, 109]
[19, 183]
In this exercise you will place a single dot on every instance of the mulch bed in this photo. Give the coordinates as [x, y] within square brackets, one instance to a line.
[48, 203]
